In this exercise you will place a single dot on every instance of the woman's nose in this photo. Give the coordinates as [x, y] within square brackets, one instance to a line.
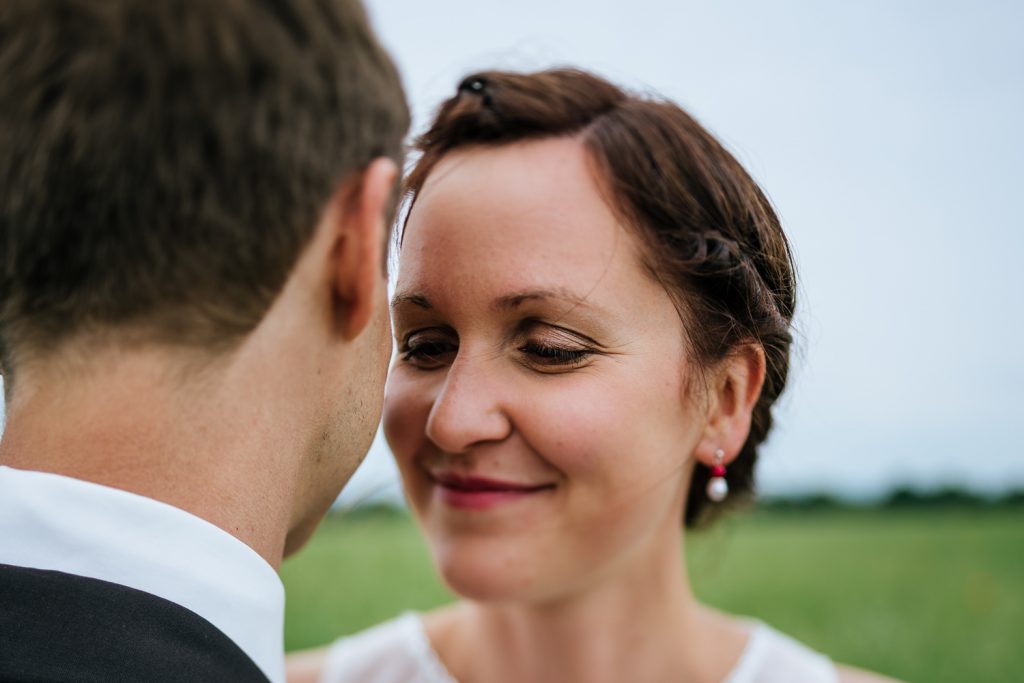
[468, 410]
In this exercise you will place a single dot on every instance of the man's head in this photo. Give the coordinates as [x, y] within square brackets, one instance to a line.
[197, 175]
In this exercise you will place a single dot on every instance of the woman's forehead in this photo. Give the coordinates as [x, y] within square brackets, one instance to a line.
[534, 180]
[515, 206]
[523, 225]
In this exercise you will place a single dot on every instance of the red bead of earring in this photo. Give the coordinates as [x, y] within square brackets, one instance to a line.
[718, 487]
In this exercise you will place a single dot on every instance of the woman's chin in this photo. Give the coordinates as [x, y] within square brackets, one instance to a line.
[491, 574]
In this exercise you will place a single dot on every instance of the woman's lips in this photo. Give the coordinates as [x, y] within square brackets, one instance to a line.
[479, 493]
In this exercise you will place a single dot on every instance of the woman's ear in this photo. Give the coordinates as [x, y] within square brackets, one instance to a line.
[360, 240]
[731, 400]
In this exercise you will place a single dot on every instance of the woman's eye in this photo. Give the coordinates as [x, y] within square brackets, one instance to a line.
[555, 356]
[428, 354]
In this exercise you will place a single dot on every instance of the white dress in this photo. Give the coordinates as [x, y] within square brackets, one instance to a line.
[398, 651]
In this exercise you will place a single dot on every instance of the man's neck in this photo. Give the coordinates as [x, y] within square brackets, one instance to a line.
[131, 424]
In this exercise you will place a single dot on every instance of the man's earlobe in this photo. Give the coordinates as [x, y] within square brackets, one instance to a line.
[359, 245]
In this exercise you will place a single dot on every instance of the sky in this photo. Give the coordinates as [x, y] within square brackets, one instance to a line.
[888, 135]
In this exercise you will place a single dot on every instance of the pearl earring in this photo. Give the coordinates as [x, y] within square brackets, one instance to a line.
[718, 488]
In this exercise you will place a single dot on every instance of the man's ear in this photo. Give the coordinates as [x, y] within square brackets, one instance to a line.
[357, 256]
[734, 393]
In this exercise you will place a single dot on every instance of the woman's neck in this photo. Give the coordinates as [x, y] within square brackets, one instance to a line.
[643, 624]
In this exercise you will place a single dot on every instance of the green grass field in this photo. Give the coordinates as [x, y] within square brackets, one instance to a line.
[923, 595]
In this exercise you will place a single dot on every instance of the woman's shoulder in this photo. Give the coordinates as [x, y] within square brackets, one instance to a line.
[847, 674]
[396, 651]
[774, 657]
[771, 656]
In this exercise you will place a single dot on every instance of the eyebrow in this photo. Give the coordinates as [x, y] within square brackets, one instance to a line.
[508, 302]
[414, 299]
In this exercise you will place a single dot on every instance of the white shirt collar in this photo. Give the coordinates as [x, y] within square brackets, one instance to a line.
[48, 521]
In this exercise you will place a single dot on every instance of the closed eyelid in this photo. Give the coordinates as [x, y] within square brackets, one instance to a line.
[557, 332]
[433, 331]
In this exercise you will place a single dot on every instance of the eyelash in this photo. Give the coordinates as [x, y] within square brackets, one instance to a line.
[421, 352]
[556, 355]
[425, 355]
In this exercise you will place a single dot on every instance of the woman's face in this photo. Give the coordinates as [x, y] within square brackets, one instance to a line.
[538, 408]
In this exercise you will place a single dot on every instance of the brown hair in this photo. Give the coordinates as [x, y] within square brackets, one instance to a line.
[164, 163]
[709, 234]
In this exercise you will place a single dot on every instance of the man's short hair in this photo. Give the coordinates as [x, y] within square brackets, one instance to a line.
[164, 162]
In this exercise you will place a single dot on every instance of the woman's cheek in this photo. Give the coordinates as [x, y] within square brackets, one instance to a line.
[604, 436]
[405, 415]
[406, 409]
[572, 428]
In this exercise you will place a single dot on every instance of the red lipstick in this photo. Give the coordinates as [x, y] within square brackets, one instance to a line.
[480, 493]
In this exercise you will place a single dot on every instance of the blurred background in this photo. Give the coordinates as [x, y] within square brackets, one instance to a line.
[889, 137]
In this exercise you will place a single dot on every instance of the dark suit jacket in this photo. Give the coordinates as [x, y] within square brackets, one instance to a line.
[61, 627]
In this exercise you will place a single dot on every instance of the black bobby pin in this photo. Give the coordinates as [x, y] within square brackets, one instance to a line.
[476, 85]
[473, 84]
